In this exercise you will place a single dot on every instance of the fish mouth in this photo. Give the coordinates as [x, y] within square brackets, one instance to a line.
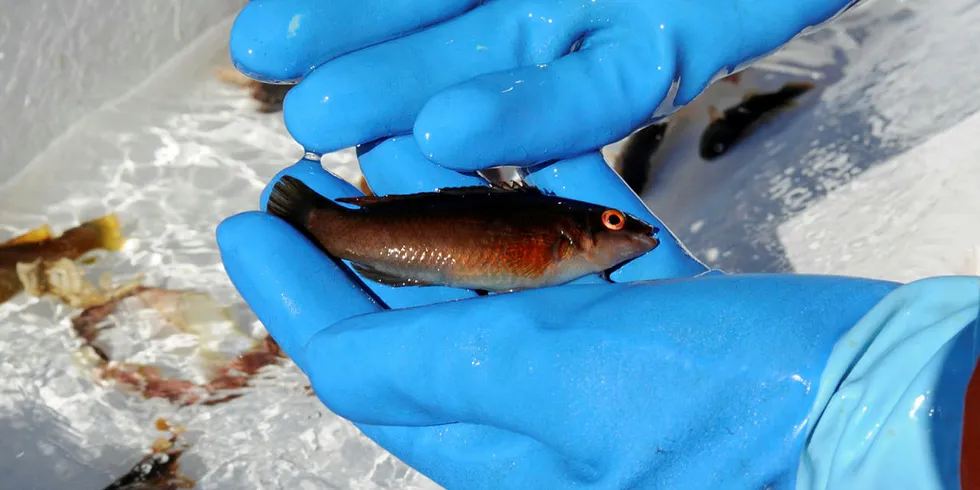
[650, 238]
[649, 242]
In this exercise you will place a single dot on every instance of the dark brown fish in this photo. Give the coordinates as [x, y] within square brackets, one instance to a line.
[483, 238]
[634, 161]
[270, 96]
[102, 233]
[728, 128]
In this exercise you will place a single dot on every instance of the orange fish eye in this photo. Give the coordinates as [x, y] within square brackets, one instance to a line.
[613, 219]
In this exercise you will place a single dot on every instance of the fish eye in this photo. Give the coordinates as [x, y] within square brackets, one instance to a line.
[613, 219]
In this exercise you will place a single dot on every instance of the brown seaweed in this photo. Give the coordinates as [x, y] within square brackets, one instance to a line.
[149, 381]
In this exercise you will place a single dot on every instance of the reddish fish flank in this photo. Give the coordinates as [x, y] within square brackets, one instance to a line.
[490, 238]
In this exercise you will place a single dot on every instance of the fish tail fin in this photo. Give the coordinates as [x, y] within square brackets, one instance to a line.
[292, 200]
[362, 184]
[110, 235]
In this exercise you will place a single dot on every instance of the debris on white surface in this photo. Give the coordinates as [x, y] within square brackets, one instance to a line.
[65, 280]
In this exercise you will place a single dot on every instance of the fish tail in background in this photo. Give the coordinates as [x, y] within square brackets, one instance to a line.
[108, 235]
[363, 185]
[292, 200]
[101, 233]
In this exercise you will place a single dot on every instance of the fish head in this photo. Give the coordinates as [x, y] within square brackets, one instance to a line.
[618, 237]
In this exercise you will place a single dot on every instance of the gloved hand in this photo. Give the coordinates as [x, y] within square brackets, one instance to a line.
[492, 83]
[696, 383]
[709, 382]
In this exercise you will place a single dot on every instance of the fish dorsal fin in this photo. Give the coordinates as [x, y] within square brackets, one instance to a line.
[493, 188]
[503, 188]
[515, 185]
[366, 200]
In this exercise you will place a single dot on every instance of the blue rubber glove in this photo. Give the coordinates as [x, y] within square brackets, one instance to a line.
[478, 84]
[709, 382]
[490, 83]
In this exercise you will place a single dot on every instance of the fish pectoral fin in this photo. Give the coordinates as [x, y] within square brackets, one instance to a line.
[563, 249]
[385, 278]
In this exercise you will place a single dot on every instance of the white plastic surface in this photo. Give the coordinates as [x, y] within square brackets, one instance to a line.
[60, 60]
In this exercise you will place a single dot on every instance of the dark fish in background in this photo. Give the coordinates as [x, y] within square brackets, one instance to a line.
[728, 128]
[269, 95]
[634, 161]
[483, 238]
[159, 470]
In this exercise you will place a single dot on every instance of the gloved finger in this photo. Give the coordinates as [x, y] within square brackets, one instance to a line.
[396, 166]
[326, 184]
[577, 103]
[588, 178]
[283, 40]
[326, 112]
[293, 288]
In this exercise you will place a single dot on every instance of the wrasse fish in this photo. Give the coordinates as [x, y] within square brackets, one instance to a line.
[729, 127]
[494, 238]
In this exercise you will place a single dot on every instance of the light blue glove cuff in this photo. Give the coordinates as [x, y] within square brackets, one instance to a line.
[889, 410]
